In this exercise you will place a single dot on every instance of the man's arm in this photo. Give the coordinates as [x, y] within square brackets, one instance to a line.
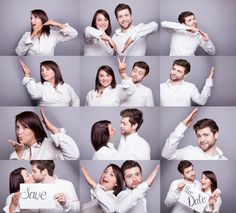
[173, 26]
[201, 99]
[169, 150]
[206, 43]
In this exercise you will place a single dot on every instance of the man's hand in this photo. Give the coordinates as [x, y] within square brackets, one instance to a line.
[127, 43]
[152, 176]
[181, 186]
[189, 119]
[212, 73]
[122, 68]
[61, 198]
[192, 29]
[204, 36]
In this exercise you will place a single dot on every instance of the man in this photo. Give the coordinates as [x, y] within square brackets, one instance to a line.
[207, 135]
[132, 146]
[186, 169]
[186, 37]
[132, 200]
[42, 172]
[130, 39]
[177, 92]
[142, 95]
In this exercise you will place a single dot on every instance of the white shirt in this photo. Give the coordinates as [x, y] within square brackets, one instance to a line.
[138, 34]
[72, 203]
[171, 152]
[134, 147]
[142, 97]
[132, 201]
[183, 93]
[110, 96]
[62, 95]
[107, 153]
[94, 45]
[173, 194]
[45, 45]
[217, 205]
[184, 43]
[61, 147]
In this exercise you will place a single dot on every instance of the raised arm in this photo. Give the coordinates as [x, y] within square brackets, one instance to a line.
[170, 150]
[206, 43]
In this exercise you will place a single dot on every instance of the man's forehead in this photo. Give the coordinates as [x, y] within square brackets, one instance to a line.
[132, 170]
[204, 130]
[124, 11]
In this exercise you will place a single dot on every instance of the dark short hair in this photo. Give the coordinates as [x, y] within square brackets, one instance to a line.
[52, 65]
[120, 7]
[119, 178]
[183, 15]
[135, 116]
[106, 15]
[31, 120]
[109, 71]
[183, 63]
[183, 165]
[44, 18]
[206, 122]
[100, 134]
[49, 165]
[143, 65]
[15, 179]
[128, 164]
[211, 175]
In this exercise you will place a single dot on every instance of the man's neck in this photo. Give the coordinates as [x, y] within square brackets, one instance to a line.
[48, 179]
[189, 181]
[212, 151]
[176, 83]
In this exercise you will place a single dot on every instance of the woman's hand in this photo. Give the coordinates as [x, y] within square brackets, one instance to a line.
[14, 202]
[25, 69]
[88, 177]
[53, 23]
[47, 123]
[122, 68]
[107, 38]
[19, 148]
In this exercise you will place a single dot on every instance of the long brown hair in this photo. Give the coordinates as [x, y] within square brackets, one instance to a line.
[44, 18]
[15, 179]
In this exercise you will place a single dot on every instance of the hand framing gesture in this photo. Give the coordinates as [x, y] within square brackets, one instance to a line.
[88, 177]
[25, 69]
[47, 123]
[127, 43]
[189, 119]
[212, 73]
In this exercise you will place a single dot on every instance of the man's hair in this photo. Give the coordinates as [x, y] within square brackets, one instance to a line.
[143, 65]
[183, 63]
[211, 175]
[206, 122]
[183, 165]
[183, 15]
[53, 66]
[120, 7]
[100, 134]
[49, 165]
[135, 116]
[32, 121]
[128, 164]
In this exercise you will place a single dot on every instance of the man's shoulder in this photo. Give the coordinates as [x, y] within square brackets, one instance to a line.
[64, 182]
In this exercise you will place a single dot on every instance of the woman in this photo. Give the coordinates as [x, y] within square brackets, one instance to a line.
[102, 133]
[98, 40]
[33, 144]
[110, 185]
[106, 92]
[51, 91]
[41, 40]
[18, 176]
[209, 185]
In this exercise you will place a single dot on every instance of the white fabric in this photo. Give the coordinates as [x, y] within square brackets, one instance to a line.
[110, 96]
[173, 194]
[94, 45]
[134, 147]
[107, 153]
[142, 97]
[72, 203]
[62, 95]
[132, 201]
[184, 43]
[184, 93]
[217, 205]
[138, 34]
[45, 45]
[61, 147]
[189, 152]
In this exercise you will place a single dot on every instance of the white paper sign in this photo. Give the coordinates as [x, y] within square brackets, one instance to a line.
[193, 198]
[37, 196]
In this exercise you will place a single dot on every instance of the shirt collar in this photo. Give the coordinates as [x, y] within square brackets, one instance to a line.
[128, 137]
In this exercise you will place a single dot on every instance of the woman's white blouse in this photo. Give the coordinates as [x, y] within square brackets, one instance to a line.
[110, 96]
[45, 45]
[94, 45]
[62, 95]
